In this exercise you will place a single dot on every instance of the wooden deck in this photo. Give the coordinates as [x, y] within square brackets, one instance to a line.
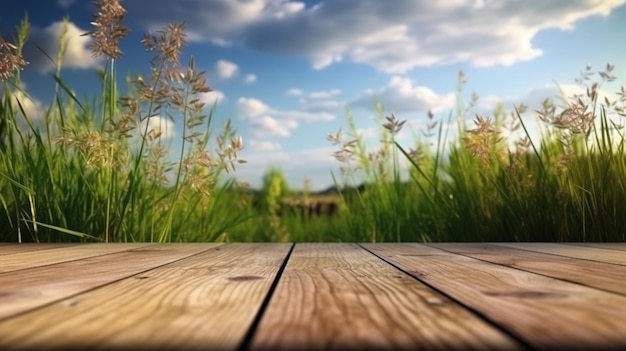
[273, 296]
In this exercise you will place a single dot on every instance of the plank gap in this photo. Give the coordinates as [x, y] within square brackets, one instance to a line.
[249, 336]
[477, 313]
[590, 279]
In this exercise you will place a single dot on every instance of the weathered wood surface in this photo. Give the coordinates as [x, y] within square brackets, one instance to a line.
[544, 311]
[24, 290]
[273, 296]
[17, 261]
[605, 276]
[207, 299]
[338, 295]
[612, 246]
[585, 253]
[8, 248]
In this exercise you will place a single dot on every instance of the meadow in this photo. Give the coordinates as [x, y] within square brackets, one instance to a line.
[92, 171]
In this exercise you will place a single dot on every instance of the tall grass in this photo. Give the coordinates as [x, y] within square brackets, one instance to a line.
[481, 186]
[98, 170]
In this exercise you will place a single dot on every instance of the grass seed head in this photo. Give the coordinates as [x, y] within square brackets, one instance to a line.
[481, 140]
[10, 60]
[109, 30]
[169, 42]
[393, 124]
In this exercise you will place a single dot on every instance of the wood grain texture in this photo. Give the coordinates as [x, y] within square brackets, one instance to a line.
[28, 289]
[546, 312]
[608, 246]
[13, 248]
[32, 259]
[340, 296]
[606, 276]
[585, 253]
[205, 301]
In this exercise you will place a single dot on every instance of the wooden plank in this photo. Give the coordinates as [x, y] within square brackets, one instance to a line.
[58, 255]
[13, 248]
[206, 301]
[585, 253]
[27, 289]
[545, 312]
[609, 246]
[594, 274]
[340, 296]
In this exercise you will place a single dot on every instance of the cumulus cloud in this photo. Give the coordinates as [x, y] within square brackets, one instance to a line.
[396, 36]
[402, 95]
[78, 54]
[268, 121]
[264, 145]
[212, 97]
[249, 78]
[393, 36]
[251, 107]
[33, 108]
[368, 133]
[221, 42]
[268, 126]
[158, 125]
[307, 116]
[226, 69]
[294, 92]
[322, 101]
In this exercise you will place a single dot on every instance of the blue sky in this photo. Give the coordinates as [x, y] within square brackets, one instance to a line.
[284, 71]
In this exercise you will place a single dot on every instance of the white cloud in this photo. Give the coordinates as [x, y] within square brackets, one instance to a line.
[78, 55]
[251, 107]
[306, 116]
[396, 36]
[268, 121]
[322, 102]
[268, 126]
[288, 9]
[226, 69]
[324, 95]
[264, 145]
[32, 107]
[402, 95]
[158, 125]
[368, 133]
[294, 92]
[392, 36]
[249, 78]
[221, 42]
[212, 97]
